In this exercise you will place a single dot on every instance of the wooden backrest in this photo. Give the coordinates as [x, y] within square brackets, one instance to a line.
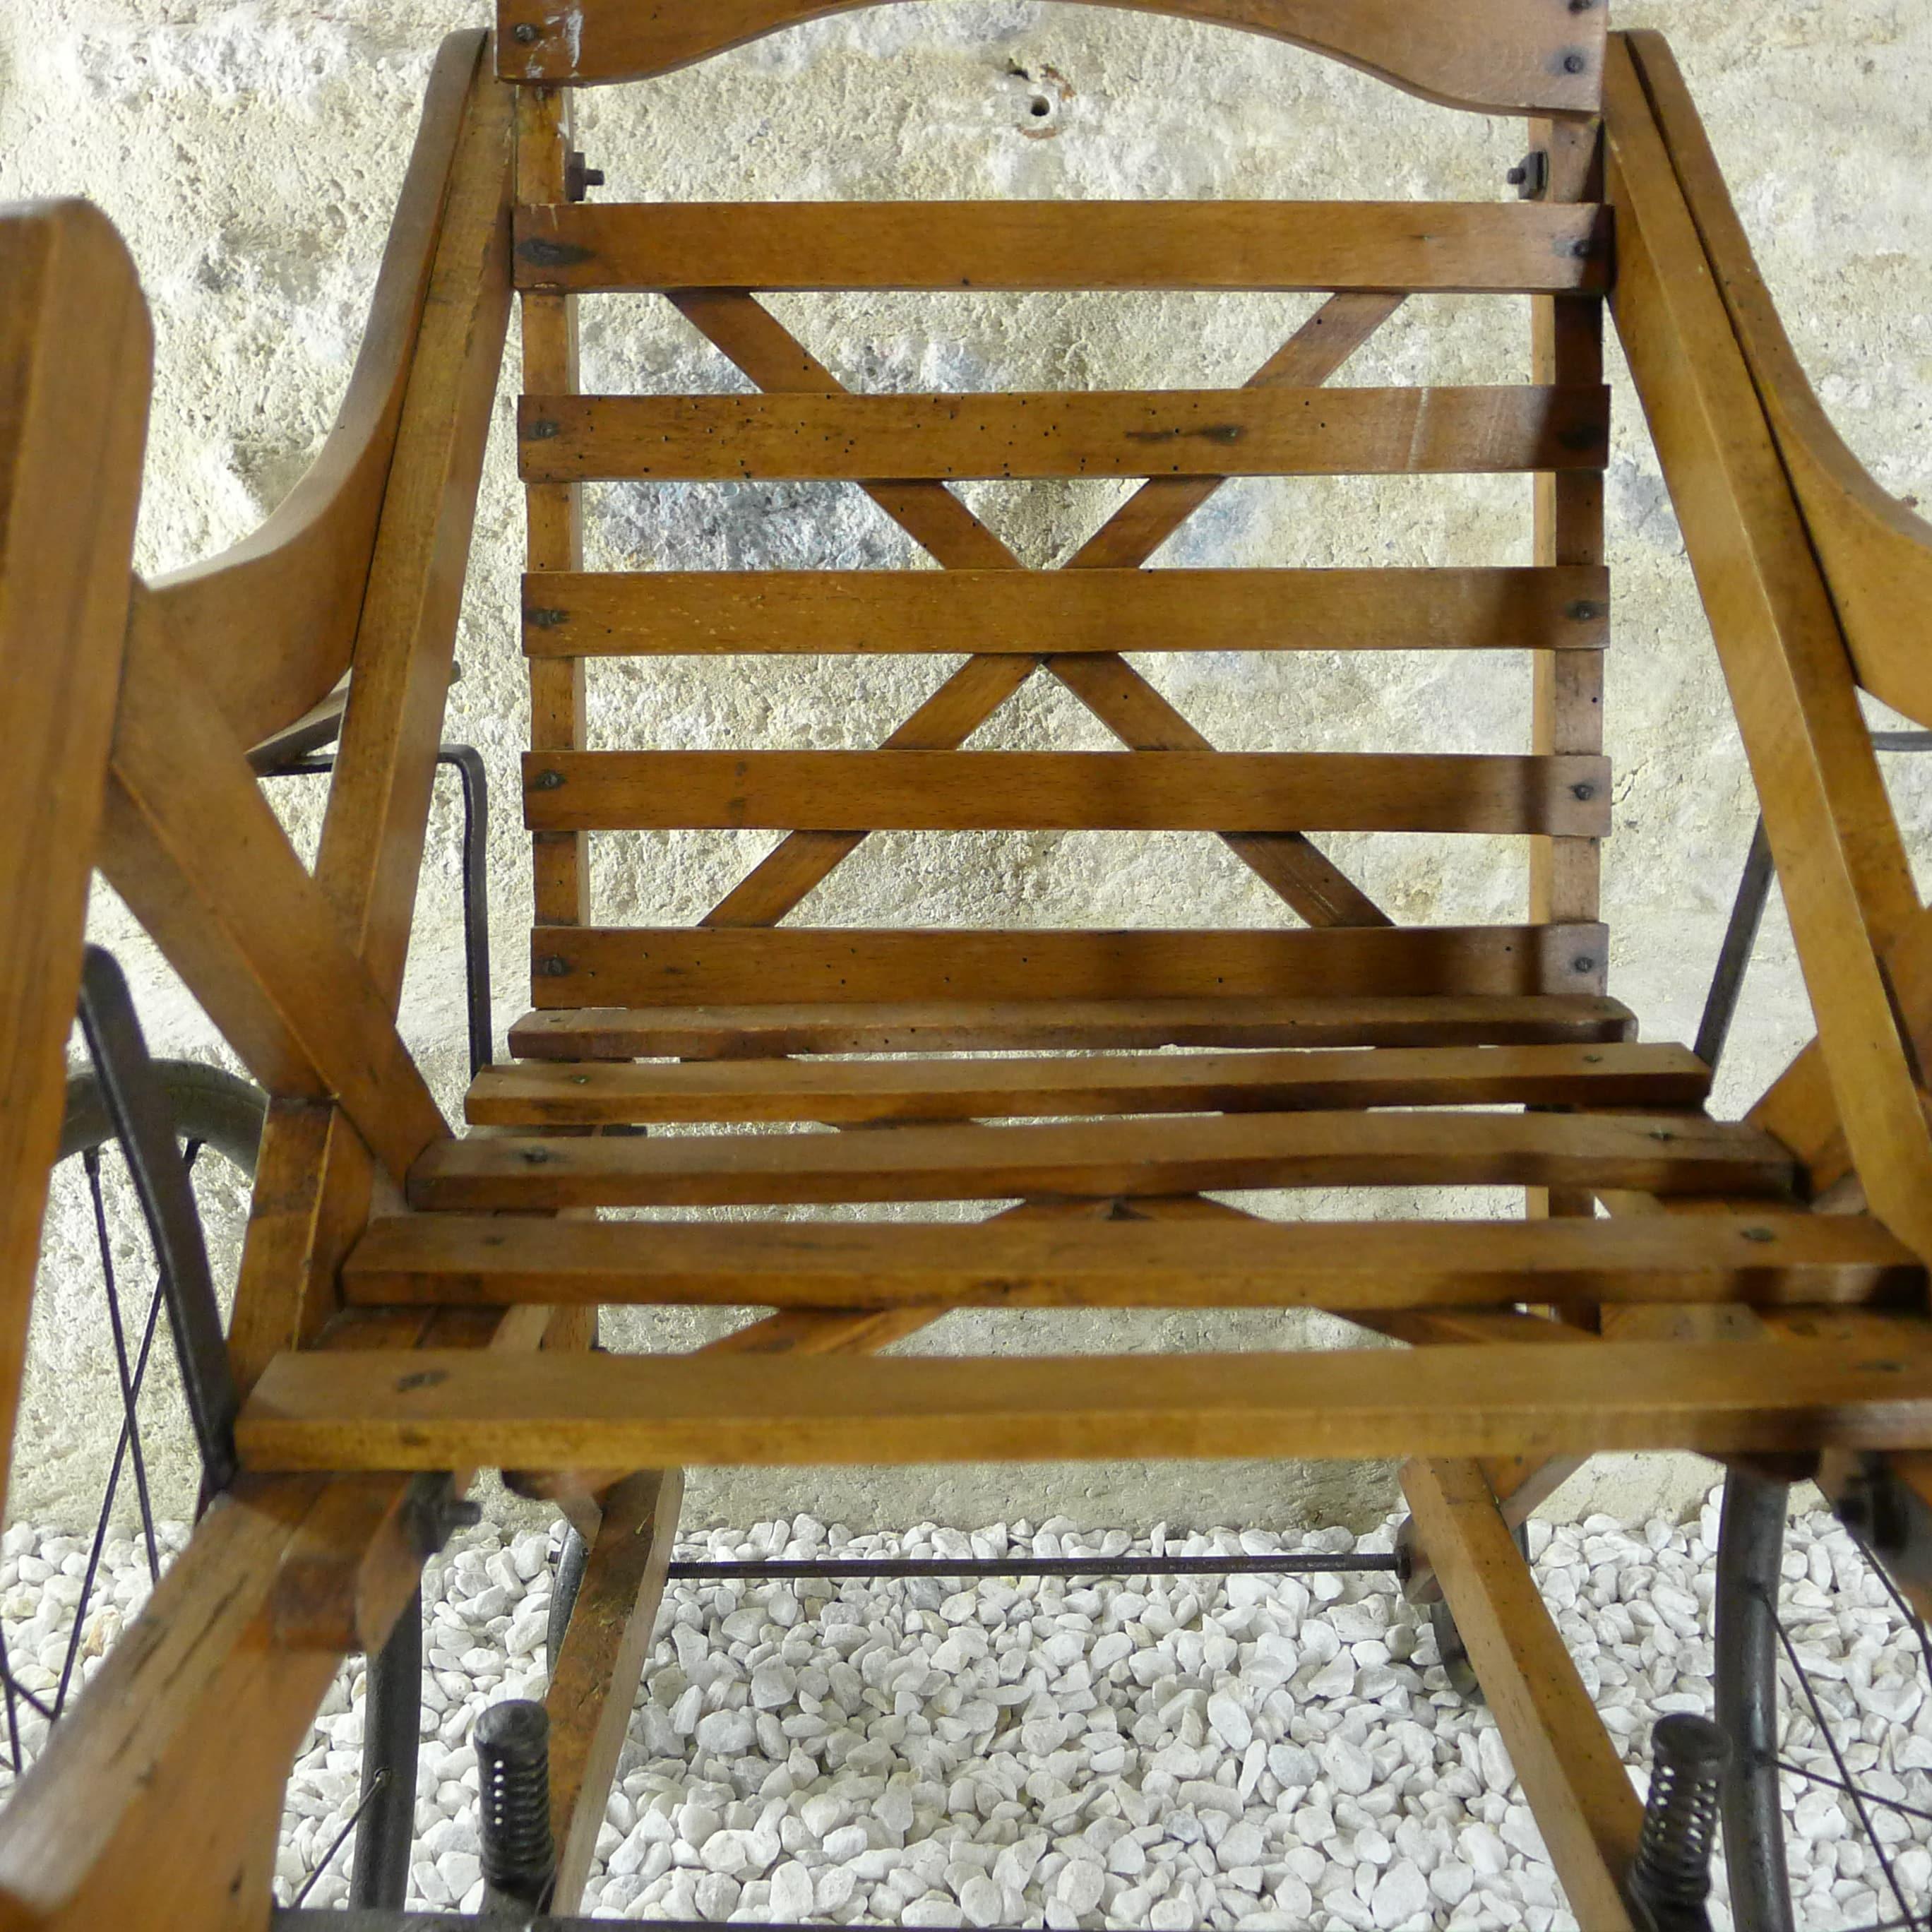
[712, 261]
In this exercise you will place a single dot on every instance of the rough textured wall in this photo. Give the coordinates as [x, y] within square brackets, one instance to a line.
[250, 153]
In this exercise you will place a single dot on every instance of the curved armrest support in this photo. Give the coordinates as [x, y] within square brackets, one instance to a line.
[270, 623]
[1877, 555]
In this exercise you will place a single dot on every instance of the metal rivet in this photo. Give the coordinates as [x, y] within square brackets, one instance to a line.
[1583, 611]
[553, 966]
[542, 431]
[547, 781]
[1582, 963]
[546, 619]
[1758, 1235]
[536, 1156]
[1583, 791]
[524, 32]
[1573, 63]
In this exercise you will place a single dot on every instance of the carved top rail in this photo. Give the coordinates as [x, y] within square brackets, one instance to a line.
[1543, 57]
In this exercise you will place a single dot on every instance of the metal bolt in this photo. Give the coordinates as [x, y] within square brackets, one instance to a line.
[523, 33]
[579, 179]
[1583, 611]
[535, 1157]
[553, 966]
[547, 781]
[1517, 175]
[1583, 963]
[1573, 63]
[1583, 791]
[542, 431]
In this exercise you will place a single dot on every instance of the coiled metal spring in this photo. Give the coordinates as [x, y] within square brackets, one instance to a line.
[1671, 1875]
[512, 1740]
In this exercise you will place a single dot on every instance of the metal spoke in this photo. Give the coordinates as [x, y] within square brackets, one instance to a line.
[369, 1797]
[1844, 1770]
[1833, 1784]
[90, 1160]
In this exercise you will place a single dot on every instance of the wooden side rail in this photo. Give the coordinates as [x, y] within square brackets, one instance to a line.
[270, 624]
[1875, 552]
[75, 354]
[1847, 884]
[1492, 56]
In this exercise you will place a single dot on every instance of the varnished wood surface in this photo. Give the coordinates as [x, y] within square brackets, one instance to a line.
[1589, 1813]
[1273, 432]
[1496, 56]
[76, 355]
[428, 1409]
[1876, 550]
[1471, 248]
[605, 613]
[671, 965]
[1672, 1154]
[271, 621]
[539, 1094]
[1066, 791]
[956, 1026]
[1766, 1255]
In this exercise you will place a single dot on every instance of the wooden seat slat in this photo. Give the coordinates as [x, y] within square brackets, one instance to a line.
[1273, 432]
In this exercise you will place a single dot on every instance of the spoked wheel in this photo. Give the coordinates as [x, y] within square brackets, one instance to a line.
[132, 1217]
[1792, 1654]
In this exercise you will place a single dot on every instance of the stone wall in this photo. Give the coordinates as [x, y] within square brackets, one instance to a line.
[249, 152]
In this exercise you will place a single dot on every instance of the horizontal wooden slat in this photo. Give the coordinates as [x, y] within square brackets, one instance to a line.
[1663, 1154]
[540, 1093]
[1076, 432]
[1464, 248]
[730, 1032]
[1065, 791]
[604, 614]
[1494, 56]
[1769, 1257]
[580, 966]
[432, 1409]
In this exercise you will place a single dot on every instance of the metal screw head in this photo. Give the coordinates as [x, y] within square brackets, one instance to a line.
[1583, 963]
[1581, 792]
[524, 32]
[1759, 1235]
[1585, 610]
[547, 781]
[1581, 6]
[542, 431]
[1573, 63]
[553, 966]
[535, 1157]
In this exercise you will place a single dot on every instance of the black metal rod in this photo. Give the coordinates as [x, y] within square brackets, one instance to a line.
[784, 1570]
[467, 763]
[392, 1733]
[139, 1108]
[1734, 956]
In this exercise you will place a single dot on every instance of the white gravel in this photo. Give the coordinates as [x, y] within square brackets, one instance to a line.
[1252, 1752]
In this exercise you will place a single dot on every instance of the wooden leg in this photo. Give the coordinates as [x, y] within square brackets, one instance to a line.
[1584, 1803]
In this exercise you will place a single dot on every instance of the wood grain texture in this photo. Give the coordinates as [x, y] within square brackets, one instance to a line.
[1469, 247]
[1276, 432]
[538, 1093]
[1674, 1154]
[598, 1665]
[552, 512]
[622, 613]
[271, 622]
[737, 1032]
[1847, 884]
[191, 843]
[427, 1409]
[678, 966]
[75, 354]
[1877, 552]
[1582, 1796]
[1066, 791]
[1769, 1255]
[372, 837]
[1125, 702]
[1494, 56]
